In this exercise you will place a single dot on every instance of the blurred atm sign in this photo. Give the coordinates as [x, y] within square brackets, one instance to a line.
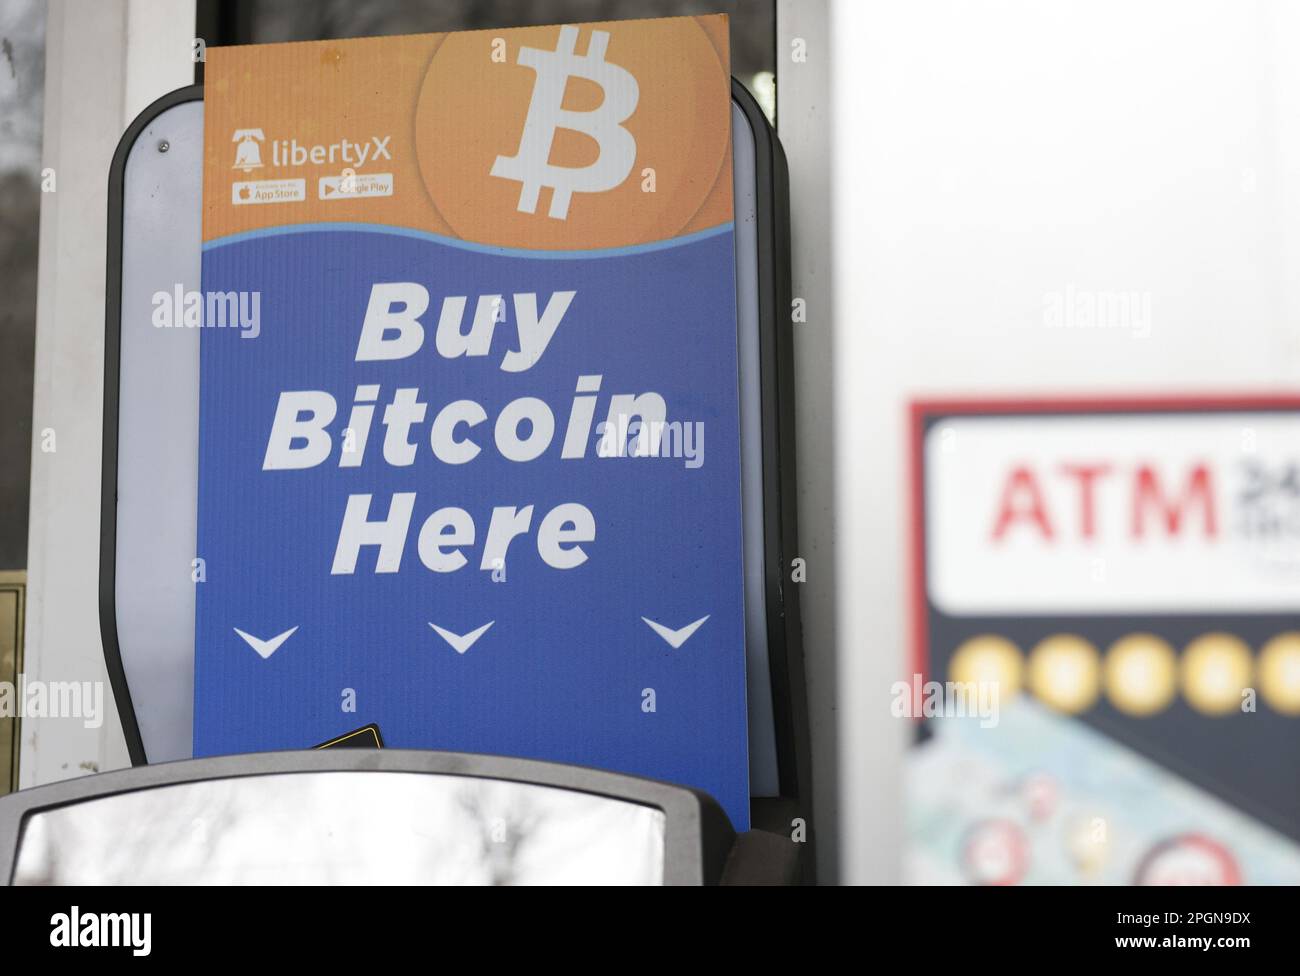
[1111, 507]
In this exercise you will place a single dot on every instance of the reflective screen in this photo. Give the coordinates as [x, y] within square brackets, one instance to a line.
[344, 828]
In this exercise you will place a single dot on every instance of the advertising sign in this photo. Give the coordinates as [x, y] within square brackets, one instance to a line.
[469, 456]
[1126, 574]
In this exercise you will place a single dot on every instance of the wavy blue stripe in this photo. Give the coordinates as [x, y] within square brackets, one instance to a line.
[514, 252]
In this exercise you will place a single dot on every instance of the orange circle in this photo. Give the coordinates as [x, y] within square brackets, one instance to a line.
[989, 661]
[1140, 674]
[1279, 673]
[1216, 671]
[1065, 673]
[476, 98]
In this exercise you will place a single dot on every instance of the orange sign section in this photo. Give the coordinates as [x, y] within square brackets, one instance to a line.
[398, 132]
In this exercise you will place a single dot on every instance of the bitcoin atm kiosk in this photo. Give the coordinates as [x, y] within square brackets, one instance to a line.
[150, 484]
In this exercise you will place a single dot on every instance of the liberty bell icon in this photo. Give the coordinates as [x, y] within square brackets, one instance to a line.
[248, 154]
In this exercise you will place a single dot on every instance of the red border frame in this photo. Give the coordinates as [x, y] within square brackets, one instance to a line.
[921, 408]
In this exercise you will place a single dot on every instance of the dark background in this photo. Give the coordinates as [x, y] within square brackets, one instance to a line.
[22, 82]
[753, 22]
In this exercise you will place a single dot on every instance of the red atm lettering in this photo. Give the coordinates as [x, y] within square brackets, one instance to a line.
[1148, 495]
[1022, 501]
[1023, 504]
[1086, 475]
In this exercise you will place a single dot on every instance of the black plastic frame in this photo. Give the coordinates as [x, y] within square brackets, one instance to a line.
[780, 526]
[697, 834]
[776, 361]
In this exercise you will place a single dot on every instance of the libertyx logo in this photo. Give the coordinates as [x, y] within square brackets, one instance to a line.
[289, 152]
[124, 929]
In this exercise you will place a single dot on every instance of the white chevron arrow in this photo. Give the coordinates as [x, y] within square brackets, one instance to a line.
[458, 643]
[266, 648]
[676, 638]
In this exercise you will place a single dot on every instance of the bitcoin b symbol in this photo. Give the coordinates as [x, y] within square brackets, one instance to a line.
[531, 163]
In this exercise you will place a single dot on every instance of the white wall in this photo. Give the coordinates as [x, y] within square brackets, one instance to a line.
[987, 155]
[105, 61]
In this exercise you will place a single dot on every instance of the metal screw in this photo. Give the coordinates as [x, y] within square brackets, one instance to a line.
[164, 145]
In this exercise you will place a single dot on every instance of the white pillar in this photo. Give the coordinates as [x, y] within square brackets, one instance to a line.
[105, 62]
[857, 749]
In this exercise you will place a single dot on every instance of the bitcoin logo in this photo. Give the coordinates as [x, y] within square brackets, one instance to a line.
[546, 113]
[548, 145]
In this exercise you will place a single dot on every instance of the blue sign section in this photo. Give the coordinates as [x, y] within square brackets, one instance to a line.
[513, 528]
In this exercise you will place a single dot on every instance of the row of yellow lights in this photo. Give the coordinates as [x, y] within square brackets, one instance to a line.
[1140, 673]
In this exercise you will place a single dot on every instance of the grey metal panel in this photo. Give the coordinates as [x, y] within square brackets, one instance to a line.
[696, 839]
[158, 423]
